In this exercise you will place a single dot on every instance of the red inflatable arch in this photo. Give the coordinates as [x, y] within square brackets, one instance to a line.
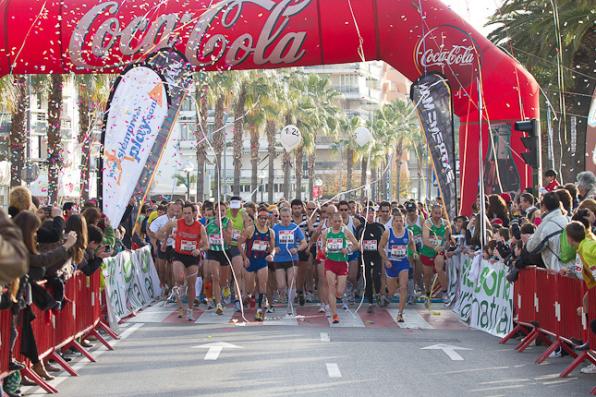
[414, 36]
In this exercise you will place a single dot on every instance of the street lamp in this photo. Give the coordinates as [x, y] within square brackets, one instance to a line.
[188, 169]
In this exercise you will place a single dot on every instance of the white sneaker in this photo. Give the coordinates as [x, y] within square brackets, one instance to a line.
[556, 354]
[322, 308]
[590, 369]
[290, 311]
[344, 304]
[327, 311]
[189, 315]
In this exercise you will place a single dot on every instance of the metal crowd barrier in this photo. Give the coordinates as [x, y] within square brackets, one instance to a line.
[58, 330]
[546, 306]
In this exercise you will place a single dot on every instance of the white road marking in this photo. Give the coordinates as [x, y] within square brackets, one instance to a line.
[412, 319]
[215, 349]
[325, 337]
[280, 318]
[498, 388]
[153, 314]
[449, 350]
[554, 382]
[209, 317]
[333, 370]
[512, 380]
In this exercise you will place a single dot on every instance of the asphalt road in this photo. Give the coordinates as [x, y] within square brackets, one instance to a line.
[167, 358]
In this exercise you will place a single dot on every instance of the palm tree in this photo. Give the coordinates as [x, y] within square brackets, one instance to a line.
[540, 33]
[257, 88]
[93, 93]
[201, 131]
[241, 87]
[55, 159]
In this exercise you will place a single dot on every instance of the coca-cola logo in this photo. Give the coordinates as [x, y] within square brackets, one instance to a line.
[103, 34]
[449, 50]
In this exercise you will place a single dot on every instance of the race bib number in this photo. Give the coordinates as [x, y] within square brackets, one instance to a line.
[215, 239]
[436, 242]
[418, 240]
[259, 245]
[286, 237]
[334, 244]
[235, 234]
[188, 245]
[369, 245]
[398, 251]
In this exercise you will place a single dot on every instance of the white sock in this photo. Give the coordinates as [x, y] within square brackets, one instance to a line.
[198, 286]
[291, 295]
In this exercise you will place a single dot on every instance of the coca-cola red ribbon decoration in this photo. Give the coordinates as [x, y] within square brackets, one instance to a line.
[99, 36]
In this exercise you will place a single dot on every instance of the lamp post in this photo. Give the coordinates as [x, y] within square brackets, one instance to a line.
[188, 169]
[262, 176]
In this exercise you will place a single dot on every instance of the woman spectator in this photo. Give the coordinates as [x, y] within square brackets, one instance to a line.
[29, 223]
[19, 199]
[566, 200]
[572, 189]
[586, 185]
[497, 210]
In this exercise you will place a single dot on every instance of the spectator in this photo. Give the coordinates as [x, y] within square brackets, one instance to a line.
[497, 210]
[19, 199]
[572, 189]
[566, 200]
[69, 209]
[526, 205]
[586, 185]
[550, 180]
[546, 240]
[13, 253]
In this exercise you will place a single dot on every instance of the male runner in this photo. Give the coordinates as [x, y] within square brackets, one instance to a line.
[436, 235]
[313, 218]
[259, 248]
[271, 281]
[320, 257]
[372, 258]
[335, 247]
[415, 223]
[351, 223]
[164, 245]
[300, 218]
[217, 227]
[236, 216]
[394, 249]
[289, 240]
[190, 240]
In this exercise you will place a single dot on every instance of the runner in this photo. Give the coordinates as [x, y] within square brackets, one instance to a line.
[190, 240]
[236, 216]
[335, 247]
[289, 240]
[216, 258]
[164, 245]
[259, 247]
[415, 223]
[394, 249]
[271, 281]
[372, 259]
[320, 257]
[435, 237]
[313, 217]
[299, 217]
[351, 223]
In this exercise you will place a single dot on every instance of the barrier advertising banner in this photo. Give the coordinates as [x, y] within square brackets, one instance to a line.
[485, 303]
[136, 111]
[177, 74]
[432, 96]
[131, 283]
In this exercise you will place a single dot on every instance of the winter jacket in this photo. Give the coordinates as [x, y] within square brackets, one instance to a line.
[552, 222]
[13, 253]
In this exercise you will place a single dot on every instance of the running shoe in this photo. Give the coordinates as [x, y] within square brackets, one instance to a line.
[385, 301]
[226, 295]
[189, 315]
[301, 299]
[290, 310]
[344, 304]
[322, 308]
[411, 299]
[259, 315]
[180, 312]
[400, 318]
[335, 319]
[327, 311]
[590, 369]
[210, 305]
[219, 311]
[370, 309]
[270, 309]
[196, 302]
[310, 297]
[237, 306]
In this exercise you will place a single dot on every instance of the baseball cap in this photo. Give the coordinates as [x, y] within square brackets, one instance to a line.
[411, 206]
[235, 204]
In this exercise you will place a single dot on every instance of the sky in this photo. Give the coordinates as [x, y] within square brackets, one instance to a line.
[476, 12]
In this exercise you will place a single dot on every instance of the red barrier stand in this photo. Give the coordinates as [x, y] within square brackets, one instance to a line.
[524, 308]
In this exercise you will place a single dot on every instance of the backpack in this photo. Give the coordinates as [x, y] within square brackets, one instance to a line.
[567, 252]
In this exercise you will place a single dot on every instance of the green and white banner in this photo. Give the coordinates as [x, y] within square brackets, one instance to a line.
[482, 296]
[131, 283]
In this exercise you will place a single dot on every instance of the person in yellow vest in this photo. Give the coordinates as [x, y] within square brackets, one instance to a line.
[237, 217]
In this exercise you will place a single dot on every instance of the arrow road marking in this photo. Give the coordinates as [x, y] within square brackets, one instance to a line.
[333, 370]
[215, 349]
[449, 350]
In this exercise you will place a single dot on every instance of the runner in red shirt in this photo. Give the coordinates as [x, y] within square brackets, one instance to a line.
[190, 240]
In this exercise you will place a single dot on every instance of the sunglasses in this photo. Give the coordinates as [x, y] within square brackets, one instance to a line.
[344, 209]
[310, 209]
[262, 217]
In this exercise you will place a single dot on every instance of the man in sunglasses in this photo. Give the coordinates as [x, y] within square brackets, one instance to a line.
[352, 224]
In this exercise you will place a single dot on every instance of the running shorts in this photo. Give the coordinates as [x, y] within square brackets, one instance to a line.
[427, 260]
[254, 267]
[396, 268]
[303, 256]
[339, 268]
[187, 260]
[283, 265]
[218, 256]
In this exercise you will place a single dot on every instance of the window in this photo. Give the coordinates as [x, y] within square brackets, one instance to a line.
[187, 131]
[187, 104]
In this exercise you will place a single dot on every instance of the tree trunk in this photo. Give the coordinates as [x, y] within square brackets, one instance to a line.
[363, 179]
[311, 173]
[287, 164]
[399, 151]
[55, 159]
[201, 136]
[218, 144]
[238, 132]
[271, 129]
[85, 110]
[350, 171]
[299, 155]
[18, 131]
[254, 162]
